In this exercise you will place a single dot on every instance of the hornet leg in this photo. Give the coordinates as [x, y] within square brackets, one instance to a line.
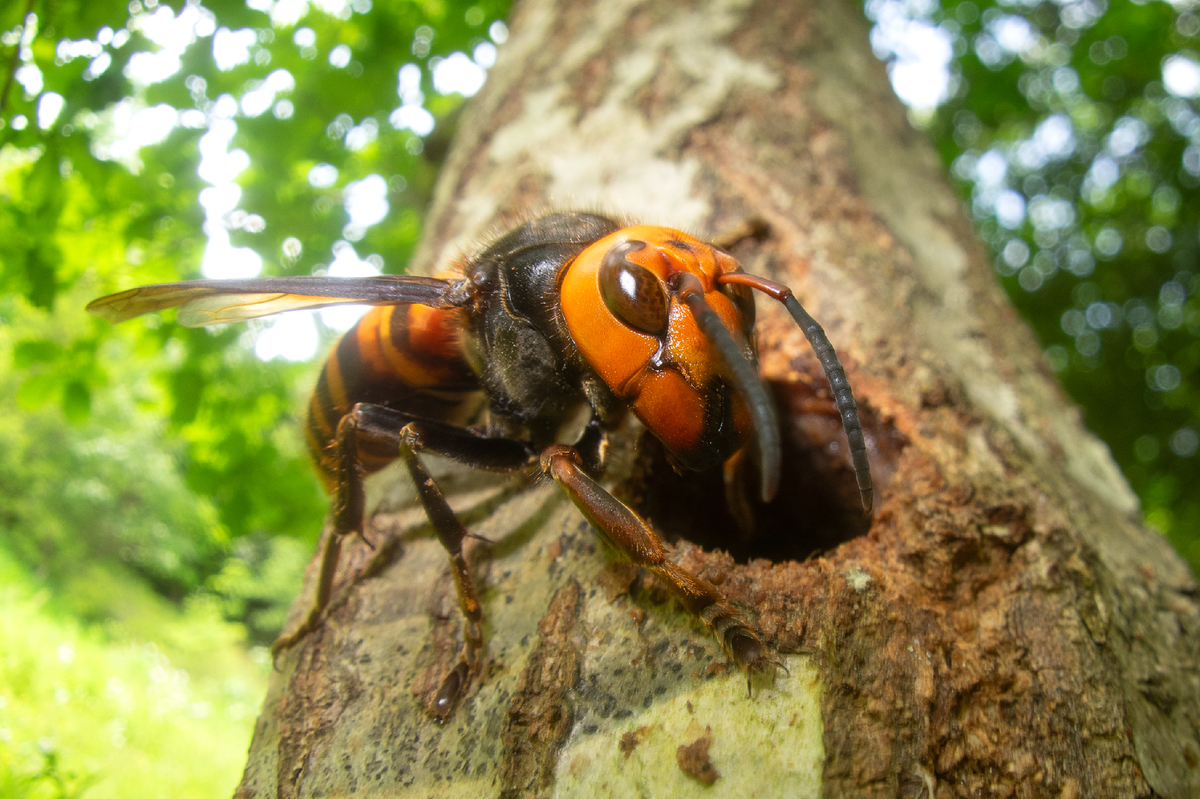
[381, 433]
[495, 454]
[627, 532]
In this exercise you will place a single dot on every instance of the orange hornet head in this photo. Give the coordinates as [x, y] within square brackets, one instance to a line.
[645, 309]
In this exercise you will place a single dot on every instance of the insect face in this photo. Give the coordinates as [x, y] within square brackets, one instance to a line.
[623, 299]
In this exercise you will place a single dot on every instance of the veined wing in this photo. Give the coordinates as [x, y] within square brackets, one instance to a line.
[211, 302]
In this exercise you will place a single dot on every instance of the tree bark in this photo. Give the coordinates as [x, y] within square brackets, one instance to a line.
[1004, 626]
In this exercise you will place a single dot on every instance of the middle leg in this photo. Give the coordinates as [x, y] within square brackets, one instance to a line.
[374, 435]
[494, 454]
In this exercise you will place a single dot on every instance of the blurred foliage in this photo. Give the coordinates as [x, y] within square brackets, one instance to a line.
[93, 711]
[1071, 128]
[123, 129]
[108, 488]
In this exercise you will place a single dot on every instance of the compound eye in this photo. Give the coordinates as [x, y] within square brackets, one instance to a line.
[743, 299]
[633, 293]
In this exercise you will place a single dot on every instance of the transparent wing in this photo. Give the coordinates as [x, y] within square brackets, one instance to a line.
[211, 302]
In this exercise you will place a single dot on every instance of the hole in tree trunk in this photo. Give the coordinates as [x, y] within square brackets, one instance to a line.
[817, 507]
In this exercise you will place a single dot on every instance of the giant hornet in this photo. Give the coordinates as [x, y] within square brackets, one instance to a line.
[565, 313]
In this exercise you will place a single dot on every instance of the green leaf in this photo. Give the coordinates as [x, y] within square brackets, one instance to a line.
[37, 390]
[77, 401]
[27, 353]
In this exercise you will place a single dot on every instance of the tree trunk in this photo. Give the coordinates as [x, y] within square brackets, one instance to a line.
[1005, 627]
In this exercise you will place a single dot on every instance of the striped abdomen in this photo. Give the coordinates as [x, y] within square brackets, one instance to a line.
[405, 357]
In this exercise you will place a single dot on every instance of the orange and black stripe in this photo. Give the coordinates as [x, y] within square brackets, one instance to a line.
[405, 357]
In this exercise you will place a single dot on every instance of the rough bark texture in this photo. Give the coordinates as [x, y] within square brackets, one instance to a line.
[1005, 627]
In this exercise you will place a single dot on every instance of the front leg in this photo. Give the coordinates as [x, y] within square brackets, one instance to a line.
[627, 532]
